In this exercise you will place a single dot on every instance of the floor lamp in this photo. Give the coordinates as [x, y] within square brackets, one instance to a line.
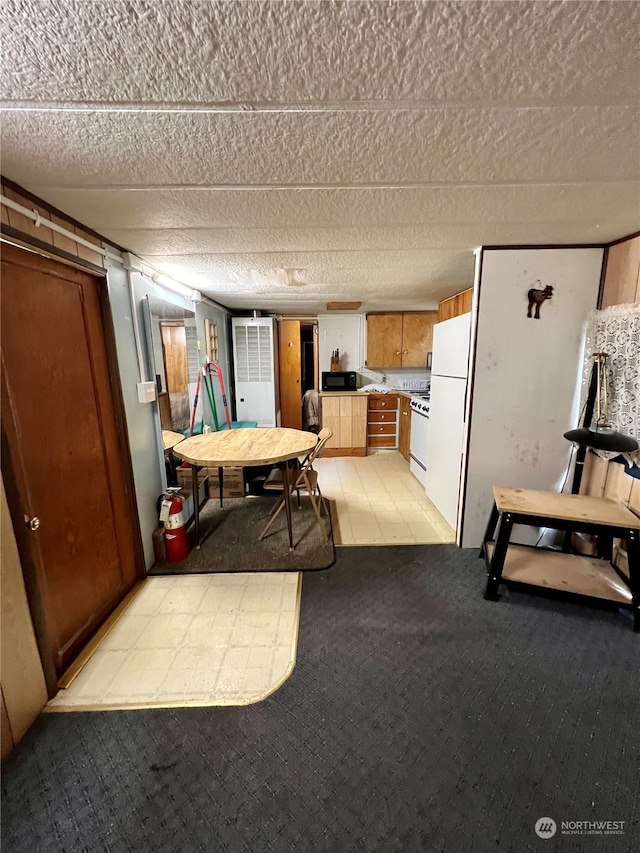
[596, 433]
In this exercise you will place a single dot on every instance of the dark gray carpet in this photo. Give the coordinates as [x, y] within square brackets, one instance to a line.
[419, 718]
[232, 545]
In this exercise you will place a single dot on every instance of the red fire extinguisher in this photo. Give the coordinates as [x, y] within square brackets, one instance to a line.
[175, 531]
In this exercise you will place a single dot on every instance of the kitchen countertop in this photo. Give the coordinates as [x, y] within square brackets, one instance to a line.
[392, 391]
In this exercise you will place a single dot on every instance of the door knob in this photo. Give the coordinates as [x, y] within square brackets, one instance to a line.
[33, 523]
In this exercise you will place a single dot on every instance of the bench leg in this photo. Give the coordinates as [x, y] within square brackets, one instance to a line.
[491, 526]
[633, 553]
[497, 561]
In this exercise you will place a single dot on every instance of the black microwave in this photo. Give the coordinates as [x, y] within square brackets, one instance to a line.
[339, 380]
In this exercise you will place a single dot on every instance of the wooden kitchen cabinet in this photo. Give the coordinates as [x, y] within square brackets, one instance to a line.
[346, 416]
[382, 421]
[404, 428]
[461, 303]
[400, 340]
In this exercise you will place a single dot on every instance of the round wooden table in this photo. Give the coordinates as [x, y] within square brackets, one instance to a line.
[245, 447]
[170, 439]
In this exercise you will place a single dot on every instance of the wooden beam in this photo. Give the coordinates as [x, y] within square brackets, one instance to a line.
[343, 306]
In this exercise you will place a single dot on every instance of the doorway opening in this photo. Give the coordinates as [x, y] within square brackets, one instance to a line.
[298, 366]
[309, 362]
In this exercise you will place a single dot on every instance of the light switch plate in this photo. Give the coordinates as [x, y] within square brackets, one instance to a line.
[146, 392]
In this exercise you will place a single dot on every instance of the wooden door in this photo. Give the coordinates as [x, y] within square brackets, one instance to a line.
[174, 345]
[417, 337]
[384, 340]
[290, 372]
[404, 428]
[63, 454]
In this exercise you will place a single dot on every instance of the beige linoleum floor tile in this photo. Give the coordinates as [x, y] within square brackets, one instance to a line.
[379, 502]
[193, 640]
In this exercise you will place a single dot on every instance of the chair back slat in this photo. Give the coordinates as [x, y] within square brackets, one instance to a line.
[323, 437]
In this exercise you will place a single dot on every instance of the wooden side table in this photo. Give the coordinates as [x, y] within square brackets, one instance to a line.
[588, 576]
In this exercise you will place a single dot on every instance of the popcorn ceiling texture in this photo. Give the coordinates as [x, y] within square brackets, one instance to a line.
[371, 145]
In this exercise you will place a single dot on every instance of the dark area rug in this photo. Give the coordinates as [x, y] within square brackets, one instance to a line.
[419, 718]
[232, 545]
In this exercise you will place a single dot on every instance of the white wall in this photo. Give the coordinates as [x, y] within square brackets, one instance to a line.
[525, 375]
[143, 423]
[207, 311]
[344, 332]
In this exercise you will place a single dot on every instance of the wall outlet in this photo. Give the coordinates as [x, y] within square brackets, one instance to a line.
[146, 392]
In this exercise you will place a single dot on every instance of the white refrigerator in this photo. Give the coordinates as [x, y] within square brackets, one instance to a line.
[449, 371]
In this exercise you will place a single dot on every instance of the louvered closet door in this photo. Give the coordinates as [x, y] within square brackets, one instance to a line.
[254, 370]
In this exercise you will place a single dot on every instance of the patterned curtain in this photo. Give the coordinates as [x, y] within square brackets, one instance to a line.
[616, 331]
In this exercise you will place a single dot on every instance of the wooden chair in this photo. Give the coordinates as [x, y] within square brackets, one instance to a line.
[306, 478]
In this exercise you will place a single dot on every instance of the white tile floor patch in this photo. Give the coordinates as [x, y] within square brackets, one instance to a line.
[193, 640]
[380, 502]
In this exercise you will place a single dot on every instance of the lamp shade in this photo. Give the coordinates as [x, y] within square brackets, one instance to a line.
[602, 438]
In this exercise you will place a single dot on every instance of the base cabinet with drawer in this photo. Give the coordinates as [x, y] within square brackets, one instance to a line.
[346, 416]
[382, 421]
[404, 428]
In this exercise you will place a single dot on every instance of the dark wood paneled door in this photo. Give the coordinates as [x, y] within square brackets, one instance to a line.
[290, 370]
[70, 490]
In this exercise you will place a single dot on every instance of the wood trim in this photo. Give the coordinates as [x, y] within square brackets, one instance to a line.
[7, 182]
[26, 241]
[603, 277]
[475, 315]
[624, 239]
[546, 246]
[345, 451]
[343, 306]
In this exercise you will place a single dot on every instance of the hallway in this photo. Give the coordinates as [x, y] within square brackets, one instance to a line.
[419, 717]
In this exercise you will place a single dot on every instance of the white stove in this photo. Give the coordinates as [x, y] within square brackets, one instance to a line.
[420, 403]
[420, 406]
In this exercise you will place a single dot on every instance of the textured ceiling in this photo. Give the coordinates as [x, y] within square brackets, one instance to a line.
[280, 155]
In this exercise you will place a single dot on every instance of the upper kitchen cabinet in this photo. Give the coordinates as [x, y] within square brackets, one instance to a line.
[400, 340]
[461, 303]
